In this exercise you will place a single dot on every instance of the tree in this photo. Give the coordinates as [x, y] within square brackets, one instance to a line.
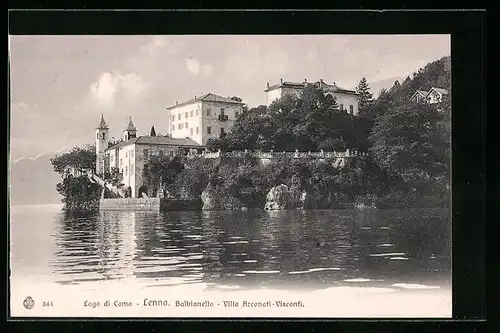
[79, 194]
[162, 171]
[410, 143]
[113, 141]
[153, 132]
[79, 158]
[365, 97]
[115, 176]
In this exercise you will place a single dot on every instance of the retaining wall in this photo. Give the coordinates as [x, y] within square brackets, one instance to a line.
[149, 204]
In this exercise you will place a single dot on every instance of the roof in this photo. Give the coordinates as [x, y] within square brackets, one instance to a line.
[421, 92]
[206, 98]
[102, 123]
[157, 140]
[300, 85]
[440, 90]
[131, 126]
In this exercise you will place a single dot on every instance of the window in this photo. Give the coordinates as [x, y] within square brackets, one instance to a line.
[131, 154]
[97, 136]
[185, 114]
[104, 136]
[160, 152]
[209, 112]
[179, 126]
[197, 112]
[222, 111]
[173, 118]
[341, 107]
[222, 130]
[146, 152]
[191, 131]
[126, 171]
[197, 130]
[126, 154]
[236, 114]
[131, 169]
[171, 153]
[185, 125]
[179, 116]
[209, 130]
[191, 113]
[173, 127]
[351, 109]
[121, 162]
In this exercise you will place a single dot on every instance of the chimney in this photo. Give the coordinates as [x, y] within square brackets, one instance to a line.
[268, 85]
[176, 102]
[281, 81]
[320, 83]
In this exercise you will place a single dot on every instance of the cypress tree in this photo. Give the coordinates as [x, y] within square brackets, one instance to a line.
[365, 97]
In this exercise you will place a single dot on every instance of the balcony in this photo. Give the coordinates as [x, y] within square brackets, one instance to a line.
[223, 117]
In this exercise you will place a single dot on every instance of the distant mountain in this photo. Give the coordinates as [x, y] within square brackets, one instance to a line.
[33, 181]
[377, 86]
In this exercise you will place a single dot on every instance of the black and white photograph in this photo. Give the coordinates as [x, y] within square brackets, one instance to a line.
[230, 176]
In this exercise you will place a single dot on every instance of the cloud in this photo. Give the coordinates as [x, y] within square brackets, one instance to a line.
[155, 45]
[255, 61]
[108, 86]
[132, 85]
[208, 69]
[104, 89]
[193, 66]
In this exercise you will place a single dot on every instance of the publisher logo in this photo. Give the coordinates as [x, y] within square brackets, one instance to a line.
[29, 303]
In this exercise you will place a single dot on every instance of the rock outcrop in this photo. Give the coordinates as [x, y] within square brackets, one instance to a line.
[214, 198]
[282, 197]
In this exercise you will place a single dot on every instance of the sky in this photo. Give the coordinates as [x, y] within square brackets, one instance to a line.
[60, 85]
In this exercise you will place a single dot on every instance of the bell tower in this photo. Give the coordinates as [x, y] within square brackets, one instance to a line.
[101, 143]
[130, 132]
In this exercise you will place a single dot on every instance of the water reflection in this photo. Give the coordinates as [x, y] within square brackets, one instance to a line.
[255, 248]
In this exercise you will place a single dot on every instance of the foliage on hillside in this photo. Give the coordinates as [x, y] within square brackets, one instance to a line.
[161, 171]
[79, 158]
[310, 122]
[79, 194]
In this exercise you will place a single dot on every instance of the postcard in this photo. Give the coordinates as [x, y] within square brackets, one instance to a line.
[230, 176]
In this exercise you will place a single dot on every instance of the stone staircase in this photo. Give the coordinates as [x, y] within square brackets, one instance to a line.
[98, 180]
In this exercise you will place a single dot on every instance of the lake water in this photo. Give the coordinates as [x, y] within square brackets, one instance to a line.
[407, 252]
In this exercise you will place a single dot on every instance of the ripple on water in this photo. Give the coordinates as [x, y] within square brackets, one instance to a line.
[413, 286]
[387, 254]
[261, 272]
[319, 269]
[358, 280]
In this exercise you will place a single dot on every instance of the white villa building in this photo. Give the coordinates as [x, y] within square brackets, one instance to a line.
[131, 155]
[204, 117]
[433, 96]
[347, 99]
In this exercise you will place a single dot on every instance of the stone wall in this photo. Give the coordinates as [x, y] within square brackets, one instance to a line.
[148, 204]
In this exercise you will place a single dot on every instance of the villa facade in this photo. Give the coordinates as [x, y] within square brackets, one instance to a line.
[204, 117]
[347, 99]
[131, 156]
